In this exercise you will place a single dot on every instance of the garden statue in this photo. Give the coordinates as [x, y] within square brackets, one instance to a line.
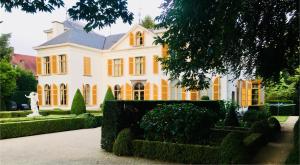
[33, 104]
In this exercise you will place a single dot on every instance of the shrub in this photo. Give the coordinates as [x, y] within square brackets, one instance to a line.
[205, 98]
[174, 152]
[283, 110]
[231, 118]
[252, 116]
[123, 143]
[280, 101]
[78, 104]
[262, 127]
[108, 96]
[254, 142]
[120, 114]
[182, 123]
[232, 149]
[90, 121]
[274, 125]
[296, 134]
[293, 157]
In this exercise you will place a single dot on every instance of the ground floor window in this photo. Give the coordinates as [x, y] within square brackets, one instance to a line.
[117, 92]
[63, 94]
[138, 91]
[86, 94]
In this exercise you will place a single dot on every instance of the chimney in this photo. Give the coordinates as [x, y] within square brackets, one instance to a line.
[57, 29]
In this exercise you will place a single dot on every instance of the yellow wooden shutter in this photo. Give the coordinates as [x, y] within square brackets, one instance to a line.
[164, 89]
[249, 92]
[54, 95]
[40, 94]
[94, 90]
[143, 38]
[109, 67]
[122, 92]
[131, 65]
[216, 89]
[183, 93]
[193, 95]
[122, 67]
[244, 93]
[147, 91]
[131, 39]
[84, 66]
[155, 92]
[38, 65]
[155, 65]
[164, 50]
[128, 92]
[89, 66]
[144, 65]
[53, 64]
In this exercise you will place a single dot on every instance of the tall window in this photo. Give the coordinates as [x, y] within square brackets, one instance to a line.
[63, 94]
[139, 65]
[62, 60]
[117, 67]
[117, 92]
[255, 94]
[176, 91]
[46, 65]
[139, 39]
[138, 91]
[47, 91]
[86, 94]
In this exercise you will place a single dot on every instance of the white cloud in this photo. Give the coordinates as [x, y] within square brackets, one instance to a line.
[27, 29]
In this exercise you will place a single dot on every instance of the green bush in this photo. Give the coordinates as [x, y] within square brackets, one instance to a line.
[181, 123]
[296, 134]
[274, 125]
[108, 96]
[262, 127]
[256, 108]
[231, 118]
[233, 150]
[123, 143]
[252, 116]
[205, 98]
[254, 142]
[90, 121]
[78, 104]
[283, 110]
[280, 101]
[293, 157]
[121, 114]
[174, 152]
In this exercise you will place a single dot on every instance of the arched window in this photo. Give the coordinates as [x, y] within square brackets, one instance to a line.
[138, 91]
[139, 39]
[63, 94]
[86, 94]
[47, 91]
[117, 92]
[216, 89]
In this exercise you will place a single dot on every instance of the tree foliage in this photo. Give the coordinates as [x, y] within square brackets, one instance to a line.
[25, 80]
[148, 22]
[8, 77]
[259, 37]
[97, 13]
[5, 50]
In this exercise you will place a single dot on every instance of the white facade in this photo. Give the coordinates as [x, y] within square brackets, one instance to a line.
[75, 78]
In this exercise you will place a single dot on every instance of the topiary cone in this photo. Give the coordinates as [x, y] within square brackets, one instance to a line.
[78, 104]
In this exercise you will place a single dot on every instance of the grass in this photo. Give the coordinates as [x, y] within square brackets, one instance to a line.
[281, 119]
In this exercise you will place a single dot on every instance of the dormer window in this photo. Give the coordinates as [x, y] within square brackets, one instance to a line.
[139, 39]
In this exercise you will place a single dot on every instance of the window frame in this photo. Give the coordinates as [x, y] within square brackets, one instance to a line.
[63, 94]
[62, 64]
[117, 92]
[47, 92]
[139, 39]
[139, 89]
[139, 63]
[117, 67]
[46, 65]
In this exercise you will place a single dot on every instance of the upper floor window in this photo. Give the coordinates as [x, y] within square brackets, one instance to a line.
[47, 91]
[117, 67]
[46, 65]
[117, 92]
[62, 61]
[139, 65]
[139, 40]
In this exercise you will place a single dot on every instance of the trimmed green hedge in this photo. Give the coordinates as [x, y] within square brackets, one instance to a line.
[35, 127]
[256, 107]
[119, 114]
[11, 114]
[283, 110]
[254, 142]
[181, 153]
[280, 101]
[293, 157]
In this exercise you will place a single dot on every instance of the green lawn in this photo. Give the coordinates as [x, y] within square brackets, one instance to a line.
[281, 119]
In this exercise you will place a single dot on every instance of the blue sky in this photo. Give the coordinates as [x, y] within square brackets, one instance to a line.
[27, 29]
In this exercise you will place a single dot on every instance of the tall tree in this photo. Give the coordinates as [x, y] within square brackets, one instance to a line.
[148, 22]
[98, 13]
[5, 51]
[258, 37]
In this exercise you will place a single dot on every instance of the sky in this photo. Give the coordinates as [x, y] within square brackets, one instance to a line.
[27, 29]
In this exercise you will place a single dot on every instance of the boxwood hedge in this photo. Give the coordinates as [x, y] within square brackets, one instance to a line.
[119, 114]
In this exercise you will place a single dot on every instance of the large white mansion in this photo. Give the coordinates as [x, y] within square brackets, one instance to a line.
[72, 59]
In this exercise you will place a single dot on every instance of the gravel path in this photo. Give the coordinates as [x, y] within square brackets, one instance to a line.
[80, 147]
[278, 151]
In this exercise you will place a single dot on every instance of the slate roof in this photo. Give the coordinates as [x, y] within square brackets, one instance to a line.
[75, 34]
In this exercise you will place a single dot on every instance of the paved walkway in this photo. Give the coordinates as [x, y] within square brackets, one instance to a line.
[278, 151]
[80, 147]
